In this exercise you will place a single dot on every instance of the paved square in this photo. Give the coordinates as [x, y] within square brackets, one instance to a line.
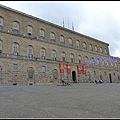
[81, 100]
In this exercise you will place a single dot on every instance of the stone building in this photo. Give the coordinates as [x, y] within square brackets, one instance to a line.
[31, 50]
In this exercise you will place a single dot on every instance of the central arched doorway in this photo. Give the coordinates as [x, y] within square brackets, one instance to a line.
[55, 76]
[30, 75]
[74, 76]
[110, 78]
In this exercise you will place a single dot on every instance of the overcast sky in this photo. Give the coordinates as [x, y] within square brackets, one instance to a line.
[99, 19]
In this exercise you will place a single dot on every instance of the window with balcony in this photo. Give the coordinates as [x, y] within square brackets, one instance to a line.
[90, 47]
[77, 44]
[105, 51]
[101, 51]
[15, 27]
[1, 23]
[29, 28]
[84, 46]
[72, 58]
[43, 54]
[70, 42]
[62, 39]
[30, 51]
[63, 57]
[79, 59]
[15, 49]
[41, 34]
[52, 36]
[96, 49]
[54, 55]
[86, 60]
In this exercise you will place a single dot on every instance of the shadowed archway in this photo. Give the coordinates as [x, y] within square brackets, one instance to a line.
[74, 76]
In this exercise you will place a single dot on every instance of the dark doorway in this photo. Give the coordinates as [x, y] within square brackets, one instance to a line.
[30, 74]
[74, 76]
[110, 78]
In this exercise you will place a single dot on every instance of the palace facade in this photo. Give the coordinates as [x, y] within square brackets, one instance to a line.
[34, 51]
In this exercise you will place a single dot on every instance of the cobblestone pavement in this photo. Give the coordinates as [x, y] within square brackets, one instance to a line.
[81, 100]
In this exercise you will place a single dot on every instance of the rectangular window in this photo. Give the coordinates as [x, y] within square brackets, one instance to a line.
[43, 69]
[15, 66]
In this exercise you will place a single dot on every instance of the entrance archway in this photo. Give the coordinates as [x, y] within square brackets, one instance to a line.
[55, 74]
[30, 74]
[74, 76]
[110, 78]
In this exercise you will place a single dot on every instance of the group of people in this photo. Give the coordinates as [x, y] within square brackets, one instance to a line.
[99, 81]
[63, 83]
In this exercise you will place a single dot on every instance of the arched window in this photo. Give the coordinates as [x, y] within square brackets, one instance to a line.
[43, 53]
[1, 23]
[103, 63]
[15, 49]
[101, 51]
[15, 27]
[96, 49]
[70, 42]
[41, 34]
[54, 55]
[84, 46]
[72, 58]
[63, 56]
[0, 46]
[115, 65]
[93, 61]
[105, 51]
[86, 60]
[52, 36]
[77, 44]
[29, 30]
[94, 72]
[79, 59]
[62, 39]
[30, 51]
[107, 63]
[90, 46]
[111, 64]
[89, 76]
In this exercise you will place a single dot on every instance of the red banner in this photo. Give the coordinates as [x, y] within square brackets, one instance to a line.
[61, 67]
[79, 69]
[84, 69]
[68, 68]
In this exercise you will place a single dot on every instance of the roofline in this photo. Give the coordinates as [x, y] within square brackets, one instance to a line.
[8, 8]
